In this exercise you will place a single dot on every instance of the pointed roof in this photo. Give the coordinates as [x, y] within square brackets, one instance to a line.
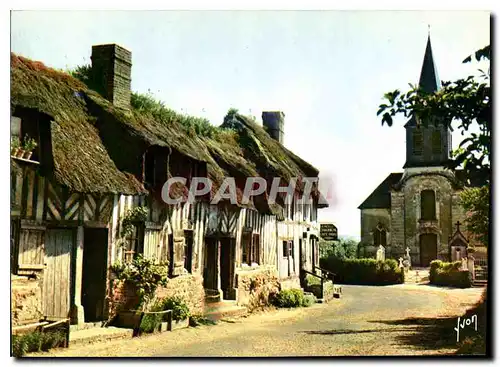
[429, 80]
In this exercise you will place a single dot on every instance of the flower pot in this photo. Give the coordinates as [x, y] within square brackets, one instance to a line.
[27, 155]
[13, 151]
[20, 153]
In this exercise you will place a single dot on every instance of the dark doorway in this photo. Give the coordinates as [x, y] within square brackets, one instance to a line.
[302, 267]
[428, 249]
[210, 264]
[226, 263]
[95, 248]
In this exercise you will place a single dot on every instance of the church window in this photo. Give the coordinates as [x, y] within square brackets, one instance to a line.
[428, 205]
[380, 236]
[418, 142]
[436, 142]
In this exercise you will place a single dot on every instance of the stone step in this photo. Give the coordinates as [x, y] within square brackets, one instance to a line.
[212, 299]
[223, 309]
[85, 326]
[93, 335]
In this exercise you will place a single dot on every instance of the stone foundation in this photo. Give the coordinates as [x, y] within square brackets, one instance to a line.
[290, 283]
[255, 286]
[26, 300]
[189, 287]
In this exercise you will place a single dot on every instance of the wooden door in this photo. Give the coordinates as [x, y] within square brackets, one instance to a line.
[95, 252]
[226, 261]
[428, 249]
[56, 281]
[210, 264]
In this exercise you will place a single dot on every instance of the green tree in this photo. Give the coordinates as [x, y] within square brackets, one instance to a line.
[476, 202]
[341, 249]
[465, 103]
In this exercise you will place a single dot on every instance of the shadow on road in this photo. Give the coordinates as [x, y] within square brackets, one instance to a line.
[344, 332]
[426, 333]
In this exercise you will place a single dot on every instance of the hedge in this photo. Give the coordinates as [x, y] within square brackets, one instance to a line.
[449, 274]
[364, 271]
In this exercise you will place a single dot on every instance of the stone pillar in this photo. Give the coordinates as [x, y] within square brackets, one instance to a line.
[470, 265]
[77, 315]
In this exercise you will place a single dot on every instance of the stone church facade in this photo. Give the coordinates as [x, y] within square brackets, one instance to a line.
[416, 208]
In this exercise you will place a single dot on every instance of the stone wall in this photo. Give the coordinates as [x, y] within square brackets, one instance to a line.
[123, 297]
[397, 224]
[442, 226]
[26, 300]
[255, 286]
[290, 283]
[188, 287]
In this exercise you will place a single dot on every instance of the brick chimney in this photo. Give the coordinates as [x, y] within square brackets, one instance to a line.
[274, 123]
[111, 69]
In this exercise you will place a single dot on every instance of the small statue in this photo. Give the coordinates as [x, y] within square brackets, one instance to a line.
[381, 253]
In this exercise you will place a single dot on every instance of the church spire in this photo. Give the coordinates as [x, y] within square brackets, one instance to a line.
[429, 80]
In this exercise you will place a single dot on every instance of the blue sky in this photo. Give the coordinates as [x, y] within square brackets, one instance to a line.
[327, 70]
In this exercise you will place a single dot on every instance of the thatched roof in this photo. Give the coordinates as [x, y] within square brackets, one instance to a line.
[81, 162]
[90, 134]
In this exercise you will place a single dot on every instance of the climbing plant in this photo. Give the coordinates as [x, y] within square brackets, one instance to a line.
[137, 214]
[145, 275]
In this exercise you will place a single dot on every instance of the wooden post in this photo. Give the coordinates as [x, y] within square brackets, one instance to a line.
[77, 314]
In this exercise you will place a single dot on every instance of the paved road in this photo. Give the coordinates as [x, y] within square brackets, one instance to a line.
[391, 320]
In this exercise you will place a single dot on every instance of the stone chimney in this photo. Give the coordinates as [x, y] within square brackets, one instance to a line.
[111, 70]
[274, 123]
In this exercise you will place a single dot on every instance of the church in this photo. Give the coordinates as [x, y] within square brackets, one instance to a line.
[417, 208]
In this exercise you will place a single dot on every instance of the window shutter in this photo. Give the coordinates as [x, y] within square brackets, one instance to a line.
[178, 255]
[31, 254]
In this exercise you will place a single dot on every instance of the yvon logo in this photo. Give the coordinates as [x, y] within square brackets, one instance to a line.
[465, 322]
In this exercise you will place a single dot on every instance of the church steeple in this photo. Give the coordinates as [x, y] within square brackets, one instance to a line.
[429, 80]
[427, 146]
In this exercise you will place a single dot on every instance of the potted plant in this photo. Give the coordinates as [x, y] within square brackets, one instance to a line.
[28, 147]
[14, 145]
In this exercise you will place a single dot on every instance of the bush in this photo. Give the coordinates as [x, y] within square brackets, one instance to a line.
[308, 300]
[364, 271]
[288, 298]
[180, 311]
[36, 341]
[449, 274]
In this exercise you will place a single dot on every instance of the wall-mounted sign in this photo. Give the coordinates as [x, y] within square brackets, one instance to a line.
[328, 232]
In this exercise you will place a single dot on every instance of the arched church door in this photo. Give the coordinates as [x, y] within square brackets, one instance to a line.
[428, 248]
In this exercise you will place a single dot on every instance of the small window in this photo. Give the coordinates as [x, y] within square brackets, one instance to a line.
[15, 126]
[428, 205]
[245, 253]
[380, 236]
[188, 252]
[436, 142]
[418, 142]
[251, 249]
[255, 254]
[286, 251]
